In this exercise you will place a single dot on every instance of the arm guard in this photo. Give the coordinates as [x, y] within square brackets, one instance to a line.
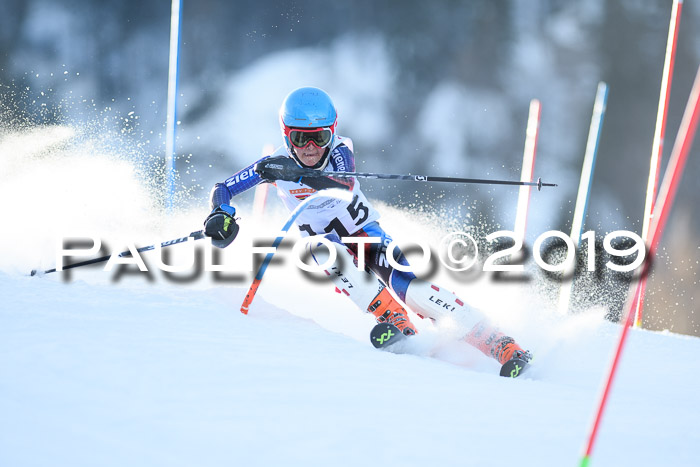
[236, 184]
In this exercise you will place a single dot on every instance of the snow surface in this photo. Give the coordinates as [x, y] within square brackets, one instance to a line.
[111, 369]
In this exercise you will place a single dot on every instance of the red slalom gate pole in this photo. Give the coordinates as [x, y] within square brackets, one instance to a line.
[676, 164]
[658, 143]
[532, 132]
[667, 193]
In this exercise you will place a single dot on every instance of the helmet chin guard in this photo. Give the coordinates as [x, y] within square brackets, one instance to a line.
[304, 109]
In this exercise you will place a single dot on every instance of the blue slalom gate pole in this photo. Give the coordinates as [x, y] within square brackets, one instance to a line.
[584, 188]
[171, 119]
[335, 193]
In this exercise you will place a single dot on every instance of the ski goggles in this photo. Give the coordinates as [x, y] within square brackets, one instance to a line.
[300, 138]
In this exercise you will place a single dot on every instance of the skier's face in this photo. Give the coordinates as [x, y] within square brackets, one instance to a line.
[310, 155]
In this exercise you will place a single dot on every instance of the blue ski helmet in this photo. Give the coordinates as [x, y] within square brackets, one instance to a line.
[308, 116]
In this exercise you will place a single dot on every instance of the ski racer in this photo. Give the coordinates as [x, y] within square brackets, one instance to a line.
[308, 122]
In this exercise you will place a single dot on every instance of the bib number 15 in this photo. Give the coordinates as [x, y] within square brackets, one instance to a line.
[358, 212]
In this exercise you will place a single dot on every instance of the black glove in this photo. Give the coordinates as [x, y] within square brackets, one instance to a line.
[221, 226]
[281, 168]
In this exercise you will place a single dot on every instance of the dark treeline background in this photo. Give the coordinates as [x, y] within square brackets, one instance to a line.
[437, 87]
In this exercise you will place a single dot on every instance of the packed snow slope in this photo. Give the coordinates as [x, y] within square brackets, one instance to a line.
[115, 369]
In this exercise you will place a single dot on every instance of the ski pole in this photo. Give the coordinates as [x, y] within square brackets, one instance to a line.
[426, 178]
[199, 234]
